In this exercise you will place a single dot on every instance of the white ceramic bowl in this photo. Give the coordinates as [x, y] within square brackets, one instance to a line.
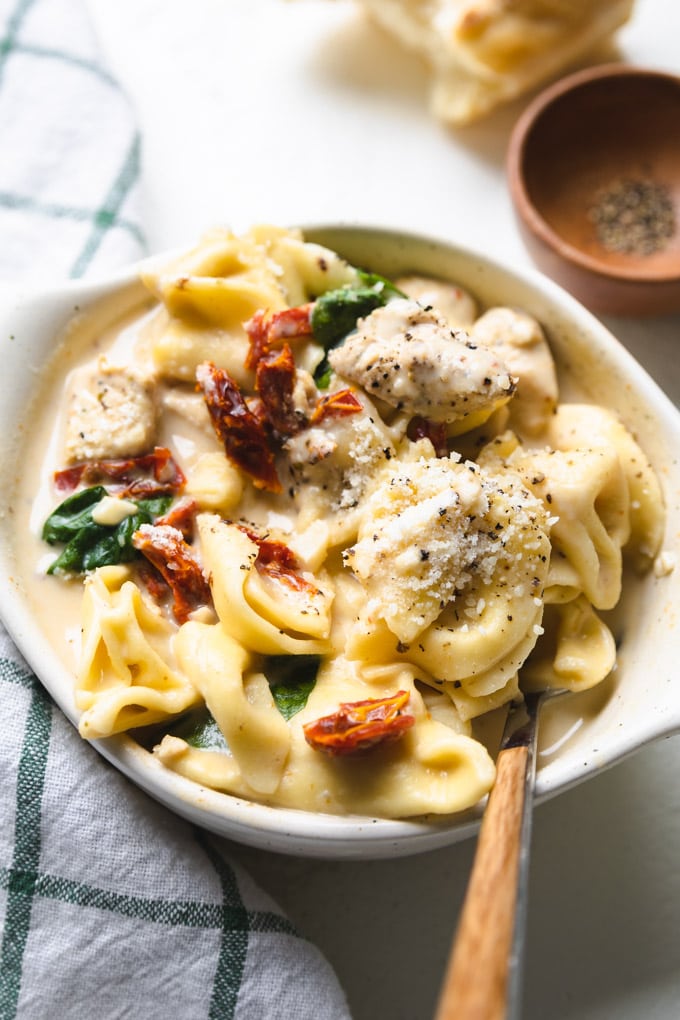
[581, 734]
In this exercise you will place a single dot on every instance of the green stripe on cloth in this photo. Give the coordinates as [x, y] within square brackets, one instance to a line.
[14, 21]
[13, 673]
[234, 941]
[44, 53]
[53, 210]
[176, 913]
[106, 215]
[26, 859]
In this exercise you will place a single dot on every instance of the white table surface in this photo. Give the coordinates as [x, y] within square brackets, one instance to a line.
[301, 112]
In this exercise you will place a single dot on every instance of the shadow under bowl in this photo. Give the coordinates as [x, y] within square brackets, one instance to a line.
[594, 173]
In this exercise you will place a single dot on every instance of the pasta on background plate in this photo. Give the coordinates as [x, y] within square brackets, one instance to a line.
[324, 522]
[482, 53]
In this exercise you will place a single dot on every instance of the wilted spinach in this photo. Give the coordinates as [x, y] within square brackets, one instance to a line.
[291, 679]
[89, 544]
[335, 313]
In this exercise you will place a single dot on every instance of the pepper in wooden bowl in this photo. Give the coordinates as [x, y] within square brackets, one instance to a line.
[594, 173]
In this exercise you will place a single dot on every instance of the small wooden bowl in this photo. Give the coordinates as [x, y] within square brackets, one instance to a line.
[577, 155]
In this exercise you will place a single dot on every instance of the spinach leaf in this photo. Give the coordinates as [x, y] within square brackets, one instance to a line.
[72, 515]
[115, 545]
[291, 679]
[322, 374]
[335, 313]
[71, 560]
[200, 730]
[380, 284]
[155, 506]
[89, 544]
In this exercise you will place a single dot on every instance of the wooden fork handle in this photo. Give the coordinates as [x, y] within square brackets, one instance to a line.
[476, 982]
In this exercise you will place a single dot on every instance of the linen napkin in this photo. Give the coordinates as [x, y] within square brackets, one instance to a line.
[110, 905]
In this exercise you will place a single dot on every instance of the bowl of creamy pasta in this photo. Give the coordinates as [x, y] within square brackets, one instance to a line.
[293, 517]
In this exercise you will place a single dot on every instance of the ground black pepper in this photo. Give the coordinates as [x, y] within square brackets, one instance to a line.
[634, 217]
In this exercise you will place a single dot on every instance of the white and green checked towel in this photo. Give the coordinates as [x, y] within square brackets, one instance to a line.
[110, 906]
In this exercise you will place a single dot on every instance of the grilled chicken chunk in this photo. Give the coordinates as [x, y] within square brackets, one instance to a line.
[111, 413]
[408, 356]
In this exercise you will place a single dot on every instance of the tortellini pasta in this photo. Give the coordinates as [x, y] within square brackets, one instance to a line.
[482, 53]
[437, 767]
[209, 292]
[242, 705]
[521, 342]
[126, 677]
[578, 652]
[588, 426]
[323, 571]
[262, 611]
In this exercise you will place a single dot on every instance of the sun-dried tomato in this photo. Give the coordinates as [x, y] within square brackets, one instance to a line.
[257, 329]
[423, 428]
[151, 474]
[165, 548]
[154, 582]
[276, 559]
[67, 479]
[181, 516]
[291, 322]
[335, 405]
[275, 382]
[245, 440]
[359, 726]
[266, 331]
[258, 411]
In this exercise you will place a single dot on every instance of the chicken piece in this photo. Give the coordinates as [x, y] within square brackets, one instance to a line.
[519, 340]
[408, 356]
[330, 466]
[111, 413]
[455, 304]
[333, 463]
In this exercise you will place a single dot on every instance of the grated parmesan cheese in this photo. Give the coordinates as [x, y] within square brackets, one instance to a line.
[434, 531]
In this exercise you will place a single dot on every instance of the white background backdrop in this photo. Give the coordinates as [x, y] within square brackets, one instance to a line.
[301, 112]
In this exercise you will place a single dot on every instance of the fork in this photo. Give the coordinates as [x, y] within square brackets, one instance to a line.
[483, 980]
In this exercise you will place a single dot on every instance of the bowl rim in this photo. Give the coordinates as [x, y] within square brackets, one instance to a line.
[522, 201]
